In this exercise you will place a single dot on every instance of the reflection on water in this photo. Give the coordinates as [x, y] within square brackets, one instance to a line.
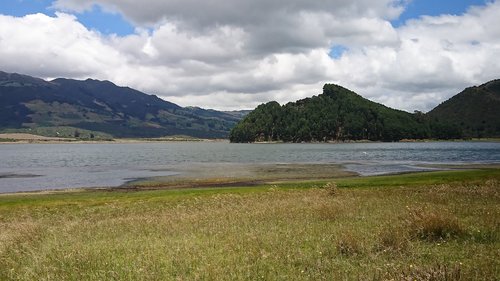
[90, 165]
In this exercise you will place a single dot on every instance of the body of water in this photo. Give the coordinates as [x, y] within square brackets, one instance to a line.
[28, 167]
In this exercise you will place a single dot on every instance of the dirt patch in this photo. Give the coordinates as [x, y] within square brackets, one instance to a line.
[231, 174]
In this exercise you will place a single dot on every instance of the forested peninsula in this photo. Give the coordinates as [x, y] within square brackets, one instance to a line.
[339, 114]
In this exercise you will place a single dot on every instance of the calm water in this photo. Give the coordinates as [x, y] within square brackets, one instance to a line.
[25, 167]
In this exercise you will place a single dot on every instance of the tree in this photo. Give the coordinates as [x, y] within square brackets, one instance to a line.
[337, 114]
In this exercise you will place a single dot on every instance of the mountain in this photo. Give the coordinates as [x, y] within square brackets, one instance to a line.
[101, 106]
[476, 110]
[337, 114]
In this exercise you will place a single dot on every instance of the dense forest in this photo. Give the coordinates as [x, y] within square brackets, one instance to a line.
[338, 115]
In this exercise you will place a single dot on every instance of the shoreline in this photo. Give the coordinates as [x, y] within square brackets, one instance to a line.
[207, 175]
[194, 181]
[23, 138]
[370, 141]
[173, 140]
[17, 138]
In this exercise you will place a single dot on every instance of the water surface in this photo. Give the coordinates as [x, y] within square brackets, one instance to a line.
[27, 167]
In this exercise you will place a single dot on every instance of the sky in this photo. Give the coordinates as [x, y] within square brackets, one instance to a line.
[236, 54]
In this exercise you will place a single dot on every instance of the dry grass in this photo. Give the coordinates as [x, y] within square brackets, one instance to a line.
[430, 273]
[433, 225]
[268, 233]
[349, 245]
[393, 240]
[331, 188]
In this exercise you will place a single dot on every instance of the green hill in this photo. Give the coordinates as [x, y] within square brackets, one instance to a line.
[28, 104]
[337, 114]
[476, 111]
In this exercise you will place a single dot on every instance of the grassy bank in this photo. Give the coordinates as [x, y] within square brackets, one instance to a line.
[440, 224]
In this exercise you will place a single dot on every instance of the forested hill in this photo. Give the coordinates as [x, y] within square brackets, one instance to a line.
[476, 111]
[101, 107]
[337, 115]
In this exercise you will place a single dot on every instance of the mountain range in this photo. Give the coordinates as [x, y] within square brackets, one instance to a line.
[93, 108]
[101, 107]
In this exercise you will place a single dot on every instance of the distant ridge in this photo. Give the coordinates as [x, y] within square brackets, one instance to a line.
[476, 110]
[28, 104]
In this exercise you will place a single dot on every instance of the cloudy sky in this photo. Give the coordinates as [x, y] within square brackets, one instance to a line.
[236, 54]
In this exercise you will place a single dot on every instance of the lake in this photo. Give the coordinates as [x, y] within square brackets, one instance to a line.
[28, 167]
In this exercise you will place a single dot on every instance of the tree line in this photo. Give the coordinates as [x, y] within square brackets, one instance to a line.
[337, 115]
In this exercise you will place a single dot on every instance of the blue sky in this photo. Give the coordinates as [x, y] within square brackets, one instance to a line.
[417, 8]
[96, 19]
[108, 23]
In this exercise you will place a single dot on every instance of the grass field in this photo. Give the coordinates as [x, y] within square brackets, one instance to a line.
[427, 226]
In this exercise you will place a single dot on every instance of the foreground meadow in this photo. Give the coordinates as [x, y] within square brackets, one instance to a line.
[428, 226]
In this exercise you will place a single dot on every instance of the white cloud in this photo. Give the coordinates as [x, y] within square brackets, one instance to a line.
[198, 14]
[269, 25]
[436, 57]
[48, 47]
[236, 54]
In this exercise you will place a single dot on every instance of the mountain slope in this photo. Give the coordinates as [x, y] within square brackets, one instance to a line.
[337, 114]
[101, 106]
[476, 110]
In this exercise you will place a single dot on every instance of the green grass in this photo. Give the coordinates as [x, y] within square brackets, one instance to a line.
[428, 226]
[414, 179]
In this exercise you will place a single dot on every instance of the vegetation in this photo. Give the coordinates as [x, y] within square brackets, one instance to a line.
[337, 115]
[476, 111]
[103, 108]
[429, 226]
[62, 132]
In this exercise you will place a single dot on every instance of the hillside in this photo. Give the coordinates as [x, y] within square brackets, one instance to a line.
[476, 110]
[28, 103]
[337, 114]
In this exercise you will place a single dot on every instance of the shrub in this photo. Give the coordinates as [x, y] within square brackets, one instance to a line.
[331, 188]
[432, 226]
